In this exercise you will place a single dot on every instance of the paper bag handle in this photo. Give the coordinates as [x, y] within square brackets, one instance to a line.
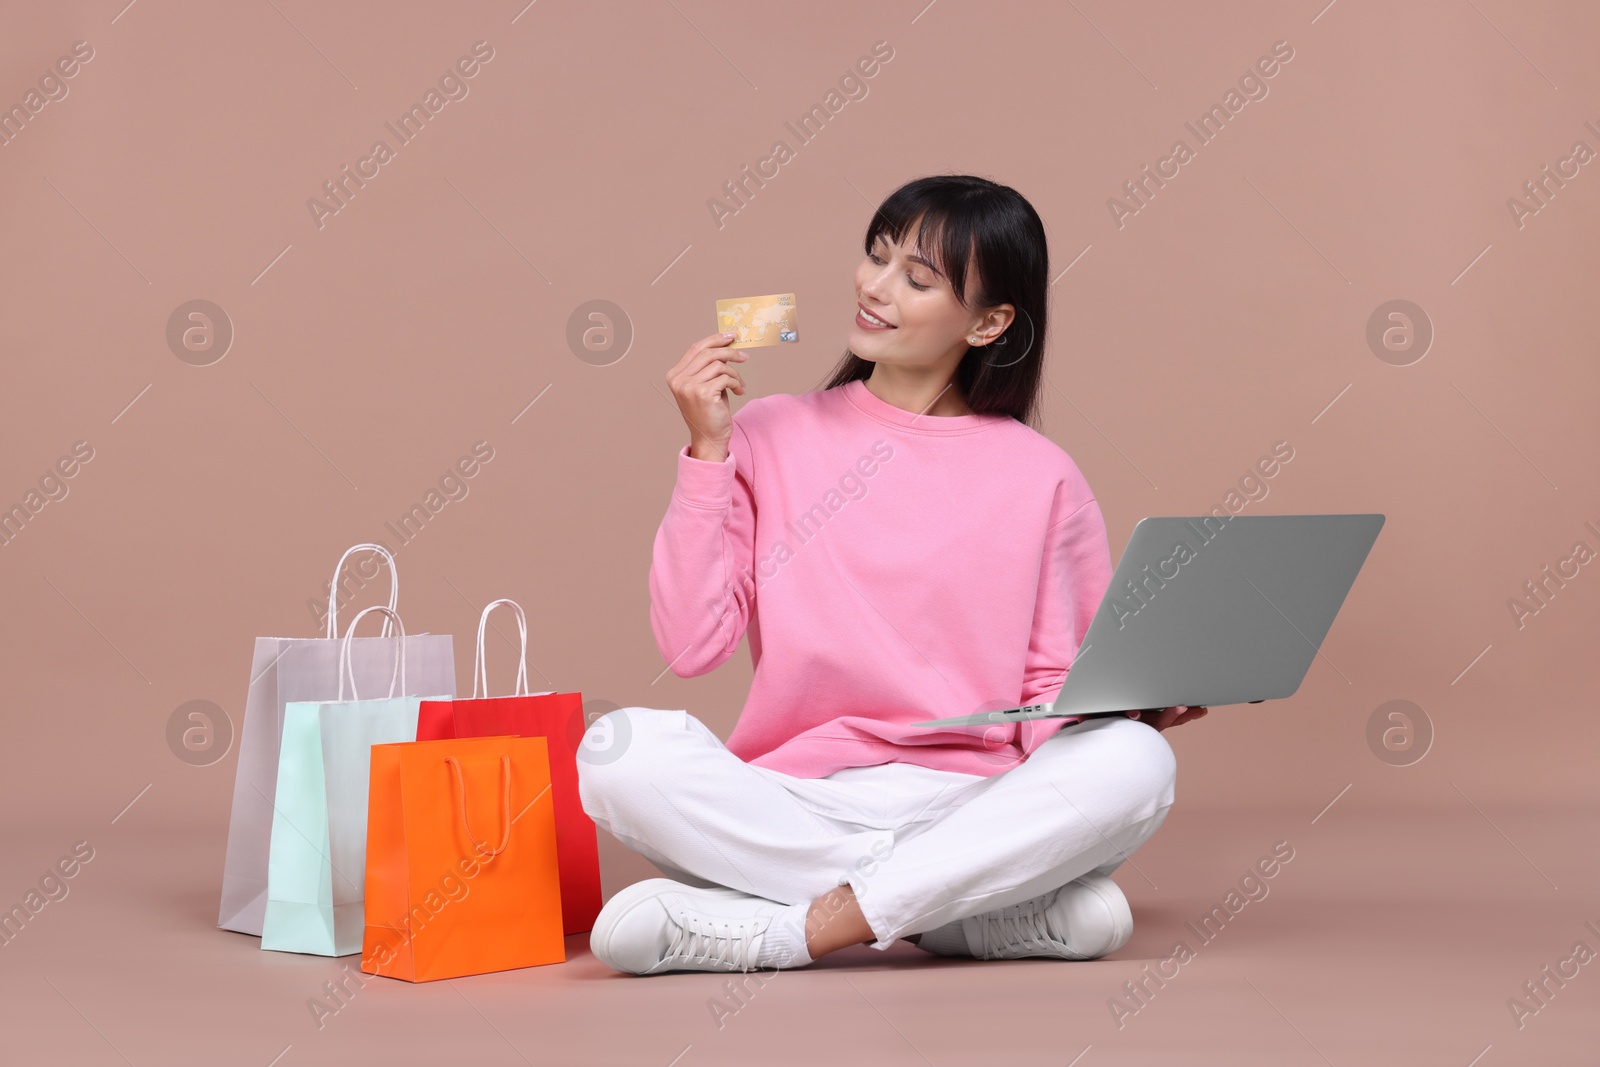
[400, 657]
[480, 670]
[333, 587]
[505, 796]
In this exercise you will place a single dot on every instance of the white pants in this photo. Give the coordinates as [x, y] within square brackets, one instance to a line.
[920, 847]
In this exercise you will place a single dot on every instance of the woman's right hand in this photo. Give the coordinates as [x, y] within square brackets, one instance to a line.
[1166, 718]
[699, 382]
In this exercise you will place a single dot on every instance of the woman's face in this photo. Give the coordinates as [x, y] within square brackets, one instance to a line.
[925, 322]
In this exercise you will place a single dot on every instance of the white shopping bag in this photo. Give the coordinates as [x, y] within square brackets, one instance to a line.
[287, 669]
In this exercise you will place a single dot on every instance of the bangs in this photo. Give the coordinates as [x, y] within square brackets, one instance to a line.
[944, 238]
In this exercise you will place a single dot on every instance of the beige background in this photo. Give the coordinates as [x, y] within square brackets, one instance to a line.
[432, 309]
[432, 312]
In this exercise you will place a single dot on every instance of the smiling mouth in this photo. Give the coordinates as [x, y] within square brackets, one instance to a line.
[871, 321]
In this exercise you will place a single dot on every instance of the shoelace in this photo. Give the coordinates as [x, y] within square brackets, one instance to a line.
[699, 941]
[1022, 926]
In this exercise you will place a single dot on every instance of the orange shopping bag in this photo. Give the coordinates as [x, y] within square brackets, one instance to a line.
[461, 871]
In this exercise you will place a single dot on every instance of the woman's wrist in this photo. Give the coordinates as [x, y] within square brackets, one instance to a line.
[709, 451]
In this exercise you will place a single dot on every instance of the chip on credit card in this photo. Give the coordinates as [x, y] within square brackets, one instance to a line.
[759, 320]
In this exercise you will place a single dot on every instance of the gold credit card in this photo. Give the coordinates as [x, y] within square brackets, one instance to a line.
[759, 320]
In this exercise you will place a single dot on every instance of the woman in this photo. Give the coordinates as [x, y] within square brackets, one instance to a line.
[899, 546]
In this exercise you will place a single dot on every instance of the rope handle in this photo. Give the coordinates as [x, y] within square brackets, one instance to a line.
[505, 790]
[333, 587]
[480, 671]
[345, 667]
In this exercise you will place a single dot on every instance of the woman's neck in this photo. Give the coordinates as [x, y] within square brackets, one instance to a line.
[920, 396]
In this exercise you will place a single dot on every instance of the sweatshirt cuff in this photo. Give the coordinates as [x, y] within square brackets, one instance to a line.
[704, 483]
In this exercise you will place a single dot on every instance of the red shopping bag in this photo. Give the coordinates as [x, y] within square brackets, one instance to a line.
[557, 717]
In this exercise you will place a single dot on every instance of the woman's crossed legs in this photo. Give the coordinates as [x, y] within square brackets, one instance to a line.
[878, 853]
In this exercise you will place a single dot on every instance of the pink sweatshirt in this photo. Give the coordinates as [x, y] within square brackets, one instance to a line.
[889, 568]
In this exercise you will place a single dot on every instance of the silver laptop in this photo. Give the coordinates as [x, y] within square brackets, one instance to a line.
[1207, 611]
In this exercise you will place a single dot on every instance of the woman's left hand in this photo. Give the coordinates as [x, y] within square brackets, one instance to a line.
[1168, 717]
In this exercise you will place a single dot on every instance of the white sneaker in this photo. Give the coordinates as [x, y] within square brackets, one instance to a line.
[1083, 920]
[661, 925]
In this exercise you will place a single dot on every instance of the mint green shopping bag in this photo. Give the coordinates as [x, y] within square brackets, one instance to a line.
[316, 863]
